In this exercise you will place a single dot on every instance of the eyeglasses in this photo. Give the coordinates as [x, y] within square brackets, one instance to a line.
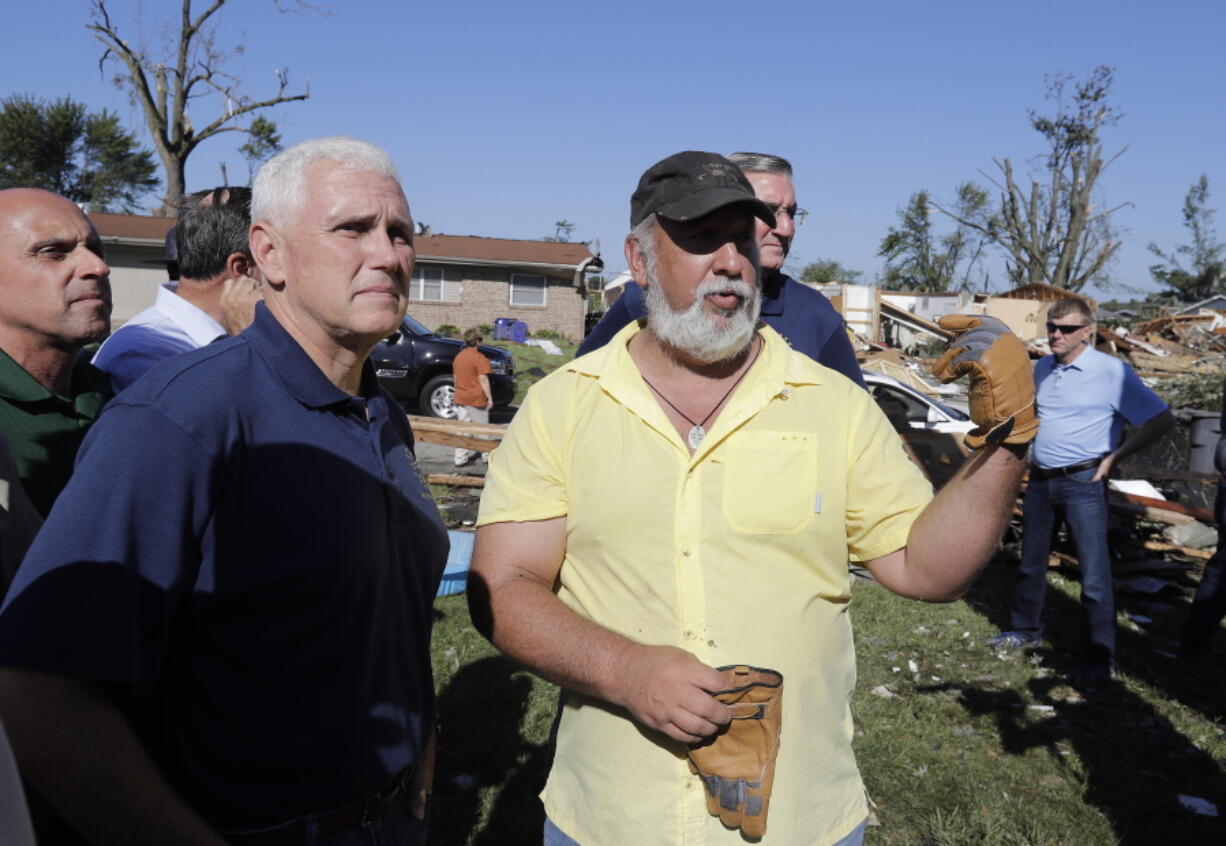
[1065, 328]
[797, 214]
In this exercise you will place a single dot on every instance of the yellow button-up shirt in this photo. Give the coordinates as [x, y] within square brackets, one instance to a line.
[737, 553]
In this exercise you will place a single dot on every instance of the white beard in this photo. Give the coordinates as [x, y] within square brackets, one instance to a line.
[694, 333]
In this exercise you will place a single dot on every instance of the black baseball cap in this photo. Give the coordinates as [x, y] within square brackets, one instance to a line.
[691, 184]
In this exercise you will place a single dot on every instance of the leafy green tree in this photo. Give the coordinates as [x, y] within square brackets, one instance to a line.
[1053, 230]
[562, 230]
[88, 158]
[1206, 273]
[919, 259]
[263, 141]
[164, 83]
[824, 271]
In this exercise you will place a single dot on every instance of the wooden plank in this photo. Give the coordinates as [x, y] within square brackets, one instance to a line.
[1162, 546]
[436, 424]
[1157, 515]
[431, 436]
[1195, 512]
[458, 481]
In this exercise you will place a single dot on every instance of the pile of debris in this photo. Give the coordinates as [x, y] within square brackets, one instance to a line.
[1173, 345]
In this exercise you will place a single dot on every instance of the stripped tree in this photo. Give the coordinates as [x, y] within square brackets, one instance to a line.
[164, 83]
[1053, 231]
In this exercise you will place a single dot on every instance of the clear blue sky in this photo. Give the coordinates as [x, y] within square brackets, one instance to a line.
[504, 117]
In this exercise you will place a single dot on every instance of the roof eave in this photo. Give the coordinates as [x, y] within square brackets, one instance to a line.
[568, 269]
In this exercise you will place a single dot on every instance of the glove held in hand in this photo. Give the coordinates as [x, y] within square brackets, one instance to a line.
[1001, 392]
[737, 766]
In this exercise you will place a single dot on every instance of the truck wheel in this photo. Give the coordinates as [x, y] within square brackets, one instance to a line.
[438, 397]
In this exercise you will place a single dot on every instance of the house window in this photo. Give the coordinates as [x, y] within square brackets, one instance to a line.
[427, 284]
[435, 285]
[527, 290]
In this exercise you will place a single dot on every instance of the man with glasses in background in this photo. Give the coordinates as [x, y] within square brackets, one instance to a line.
[805, 318]
[1083, 399]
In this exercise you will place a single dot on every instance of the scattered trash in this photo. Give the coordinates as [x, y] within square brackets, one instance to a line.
[1197, 805]
[884, 692]
[1043, 708]
[1194, 535]
[912, 666]
[548, 346]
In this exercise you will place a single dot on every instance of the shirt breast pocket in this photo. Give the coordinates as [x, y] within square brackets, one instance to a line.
[770, 482]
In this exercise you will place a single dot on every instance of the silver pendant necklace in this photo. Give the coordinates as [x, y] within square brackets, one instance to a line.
[697, 432]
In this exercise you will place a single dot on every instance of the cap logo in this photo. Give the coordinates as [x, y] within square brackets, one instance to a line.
[718, 175]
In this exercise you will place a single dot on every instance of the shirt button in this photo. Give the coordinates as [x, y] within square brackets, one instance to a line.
[686, 553]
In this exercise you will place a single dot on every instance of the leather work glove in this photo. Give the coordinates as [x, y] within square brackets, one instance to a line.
[1001, 380]
[737, 766]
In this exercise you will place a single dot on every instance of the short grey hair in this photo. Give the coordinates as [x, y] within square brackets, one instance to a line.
[761, 163]
[279, 188]
[644, 234]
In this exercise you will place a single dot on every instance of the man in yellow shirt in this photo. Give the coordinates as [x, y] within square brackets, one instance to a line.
[688, 497]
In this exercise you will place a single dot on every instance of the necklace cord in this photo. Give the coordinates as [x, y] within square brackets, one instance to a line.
[727, 393]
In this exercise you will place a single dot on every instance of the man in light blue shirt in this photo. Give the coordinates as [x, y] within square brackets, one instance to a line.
[1083, 399]
[211, 237]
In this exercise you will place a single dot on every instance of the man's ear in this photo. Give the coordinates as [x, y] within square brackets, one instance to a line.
[266, 249]
[240, 264]
[637, 261]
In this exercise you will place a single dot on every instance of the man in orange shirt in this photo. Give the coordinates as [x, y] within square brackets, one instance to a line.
[473, 397]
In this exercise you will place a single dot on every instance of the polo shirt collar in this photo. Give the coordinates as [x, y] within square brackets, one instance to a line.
[771, 376]
[16, 384]
[193, 320]
[1084, 361]
[289, 361]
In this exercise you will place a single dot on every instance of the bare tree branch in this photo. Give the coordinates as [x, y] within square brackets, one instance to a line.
[163, 87]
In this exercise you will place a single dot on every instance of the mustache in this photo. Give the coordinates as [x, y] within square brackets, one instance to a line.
[735, 284]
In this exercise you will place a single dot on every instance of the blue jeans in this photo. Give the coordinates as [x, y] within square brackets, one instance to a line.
[1083, 505]
[1209, 604]
[554, 836]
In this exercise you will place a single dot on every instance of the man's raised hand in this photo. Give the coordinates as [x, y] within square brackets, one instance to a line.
[1001, 391]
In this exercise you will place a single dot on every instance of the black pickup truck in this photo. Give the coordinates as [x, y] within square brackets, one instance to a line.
[414, 365]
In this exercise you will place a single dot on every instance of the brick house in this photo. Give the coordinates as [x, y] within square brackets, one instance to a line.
[465, 280]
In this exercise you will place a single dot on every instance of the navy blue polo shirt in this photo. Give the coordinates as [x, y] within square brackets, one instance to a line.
[805, 319]
[248, 556]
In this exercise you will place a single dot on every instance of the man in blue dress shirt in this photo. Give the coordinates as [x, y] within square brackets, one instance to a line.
[210, 242]
[222, 633]
[805, 318]
[1084, 398]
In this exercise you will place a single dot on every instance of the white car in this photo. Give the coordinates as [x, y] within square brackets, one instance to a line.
[920, 410]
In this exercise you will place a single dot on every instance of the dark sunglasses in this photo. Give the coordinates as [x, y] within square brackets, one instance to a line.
[1065, 328]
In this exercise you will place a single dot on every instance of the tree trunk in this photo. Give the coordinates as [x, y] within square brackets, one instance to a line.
[175, 169]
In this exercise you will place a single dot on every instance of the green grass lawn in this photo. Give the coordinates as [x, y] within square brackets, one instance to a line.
[530, 358]
[970, 747]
